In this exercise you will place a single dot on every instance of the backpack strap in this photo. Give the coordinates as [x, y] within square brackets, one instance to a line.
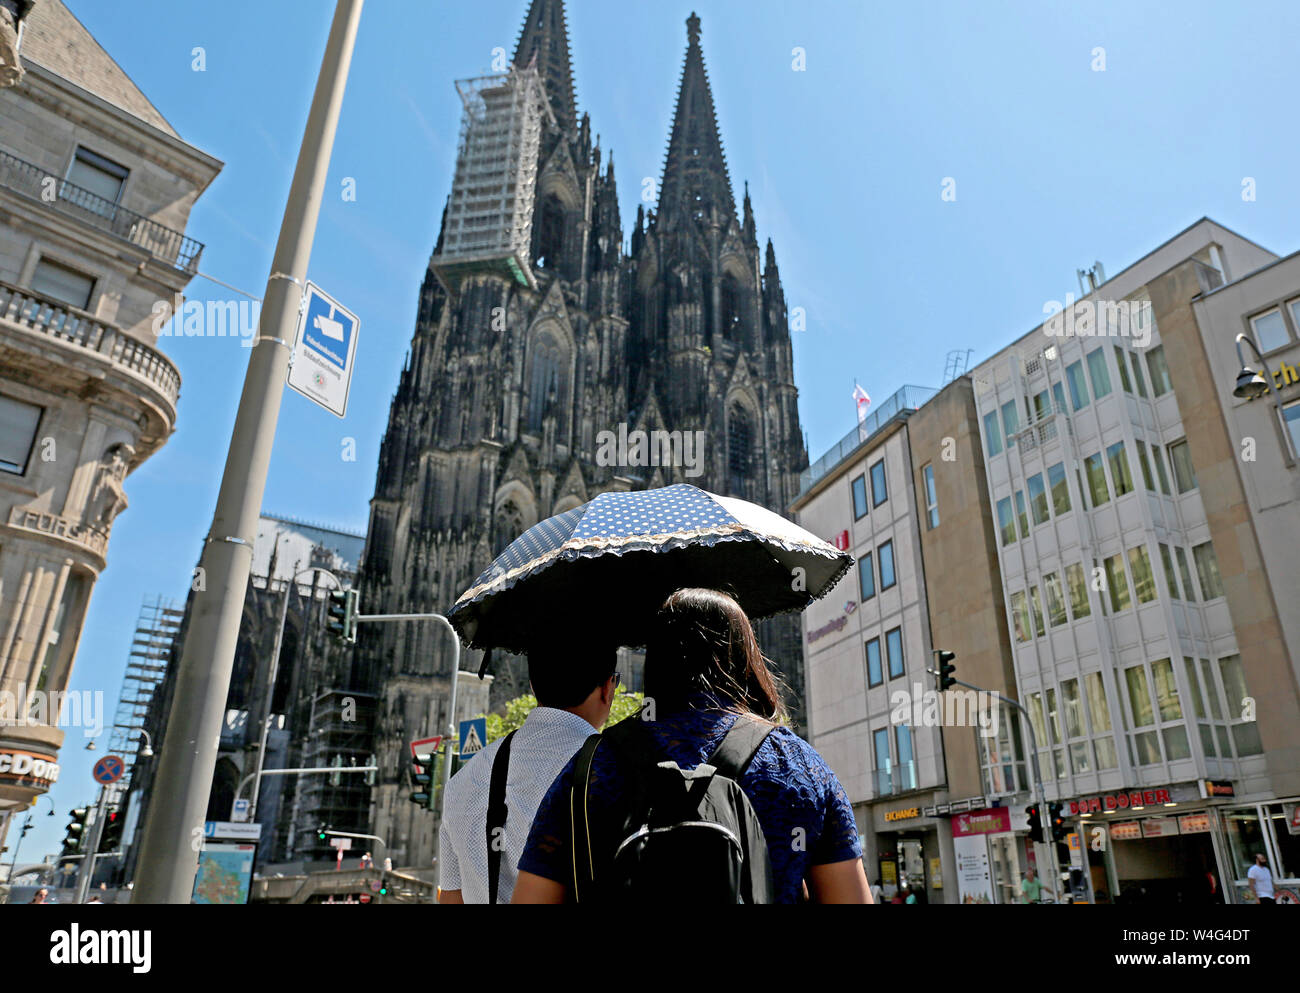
[739, 746]
[496, 814]
[584, 872]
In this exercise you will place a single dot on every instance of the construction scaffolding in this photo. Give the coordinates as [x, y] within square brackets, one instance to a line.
[151, 648]
[489, 221]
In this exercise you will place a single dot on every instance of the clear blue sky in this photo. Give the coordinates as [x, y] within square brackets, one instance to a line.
[1055, 166]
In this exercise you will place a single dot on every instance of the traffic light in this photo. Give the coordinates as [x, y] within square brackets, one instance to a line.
[320, 831]
[76, 831]
[944, 669]
[341, 614]
[422, 776]
[1035, 823]
[110, 839]
[1056, 821]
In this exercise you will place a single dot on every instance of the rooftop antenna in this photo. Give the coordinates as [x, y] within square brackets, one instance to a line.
[956, 364]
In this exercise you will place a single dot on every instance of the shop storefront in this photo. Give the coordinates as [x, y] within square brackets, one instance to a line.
[1151, 846]
[1272, 828]
[908, 853]
[987, 855]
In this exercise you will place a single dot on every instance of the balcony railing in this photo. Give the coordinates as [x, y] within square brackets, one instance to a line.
[46, 316]
[907, 398]
[162, 242]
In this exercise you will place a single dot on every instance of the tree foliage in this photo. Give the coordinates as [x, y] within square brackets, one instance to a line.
[518, 709]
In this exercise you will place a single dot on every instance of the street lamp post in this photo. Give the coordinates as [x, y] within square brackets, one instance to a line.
[189, 755]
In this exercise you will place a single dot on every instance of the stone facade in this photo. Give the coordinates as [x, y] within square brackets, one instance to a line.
[499, 416]
[85, 394]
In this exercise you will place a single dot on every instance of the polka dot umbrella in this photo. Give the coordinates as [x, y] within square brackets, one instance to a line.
[603, 569]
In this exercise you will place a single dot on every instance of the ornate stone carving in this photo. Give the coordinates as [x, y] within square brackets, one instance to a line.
[11, 14]
[108, 498]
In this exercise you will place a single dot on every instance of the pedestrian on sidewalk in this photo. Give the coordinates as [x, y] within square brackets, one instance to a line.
[1261, 879]
[1031, 889]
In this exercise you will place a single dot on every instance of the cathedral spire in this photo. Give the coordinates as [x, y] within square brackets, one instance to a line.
[696, 183]
[545, 37]
[749, 229]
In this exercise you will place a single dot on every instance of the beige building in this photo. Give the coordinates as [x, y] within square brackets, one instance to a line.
[95, 192]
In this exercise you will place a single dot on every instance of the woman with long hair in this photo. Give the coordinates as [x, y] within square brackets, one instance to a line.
[704, 673]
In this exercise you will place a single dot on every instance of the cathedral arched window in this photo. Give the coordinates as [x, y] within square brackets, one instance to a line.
[550, 232]
[547, 381]
[732, 317]
[740, 439]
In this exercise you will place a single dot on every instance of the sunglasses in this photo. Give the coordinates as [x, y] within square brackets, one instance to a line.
[618, 678]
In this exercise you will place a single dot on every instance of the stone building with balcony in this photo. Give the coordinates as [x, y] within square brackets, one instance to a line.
[95, 193]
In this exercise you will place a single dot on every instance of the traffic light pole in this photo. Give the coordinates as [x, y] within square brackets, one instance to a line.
[87, 868]
[451, 712]
[1043, 814]
[174, 825]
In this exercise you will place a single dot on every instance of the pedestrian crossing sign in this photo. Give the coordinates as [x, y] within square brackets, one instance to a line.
[473, 736]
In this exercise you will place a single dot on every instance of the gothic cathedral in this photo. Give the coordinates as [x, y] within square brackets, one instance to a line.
[514, 371]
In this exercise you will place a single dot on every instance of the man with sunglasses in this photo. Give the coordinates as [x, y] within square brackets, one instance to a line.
[480, 842]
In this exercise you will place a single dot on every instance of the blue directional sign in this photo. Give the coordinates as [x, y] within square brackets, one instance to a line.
[108, 770]
[473, 736]
[323, 351]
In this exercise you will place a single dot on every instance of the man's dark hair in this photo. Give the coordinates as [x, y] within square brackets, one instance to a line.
[565, 676]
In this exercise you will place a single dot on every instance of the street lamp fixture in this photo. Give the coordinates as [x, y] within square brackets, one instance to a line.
[1251, 385]
[147, 751]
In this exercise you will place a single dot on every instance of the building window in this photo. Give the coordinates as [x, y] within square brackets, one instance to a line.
[551, 224]
[1006, 521]
[1139, 695]
[1099, 713]
[1244, 733]
[1078, 388]
[1159, 369]
[1167, 705]
[866, 578]
[886, 556]
[992, 436]
[906, 765]
[1144, 579]
[1145, 464]
[1138, 381]
[1055, 599]
[931, 498]
[18, 424]
[1038, 499]
[1123, 369]
[739, 442]
[732, 325]
[1189, 591]
[1058, 393]
[1291, 414]
[1097, 373]
[1042, 405]
[875, 675]
[879, 492]
[62, 283]
[1020, 616]
[1270, 331]
[1010, 422]
[1036, 609]
[1181, 458]
[1098, 491]
[1207, 570]
[1158, 458]
[1074, 579]
[1198, 708]
[1021, 516]
[1060, 489]
[859, 497]
[880, 741]
[1119, 470]
[894, 652]
[1074, 726]
[1116, 583]
[1171, 578]
[63, 639]
[102, 178]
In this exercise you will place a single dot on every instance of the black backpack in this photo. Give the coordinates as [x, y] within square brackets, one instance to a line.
[678, 835]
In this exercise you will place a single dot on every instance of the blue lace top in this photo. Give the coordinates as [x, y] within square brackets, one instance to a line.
[806, 816]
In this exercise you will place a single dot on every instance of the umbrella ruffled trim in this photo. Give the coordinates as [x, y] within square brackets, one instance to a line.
[574, 549]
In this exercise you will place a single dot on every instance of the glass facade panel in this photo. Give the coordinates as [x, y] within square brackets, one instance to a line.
[1055, 599]
[1078, 388]
[1144, 580]
[1098, 491]
[992, 434]
[1116, 583]
[1207, 571]
[1119, 470]
[1180, 456]
[1006, 521]
[1038, 499]
[1123, 370]
[1098, 374]
[859, 497]
[875, 675]
[1171, 577]
[1159, 369]
[1060, 489]
[1074, 579]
